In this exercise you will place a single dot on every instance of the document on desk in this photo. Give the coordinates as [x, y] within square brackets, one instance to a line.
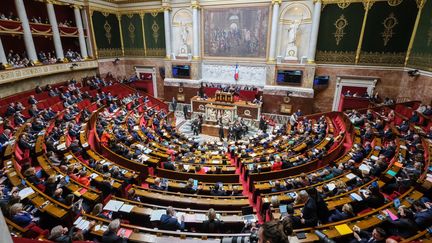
[113, 205]
[343, 229]
[200, 217]
[25, 192]
[83, 224]
[149, 238]
[364, 167]
[126, 208]
[351, 176]
[356, 197]
[156, 214]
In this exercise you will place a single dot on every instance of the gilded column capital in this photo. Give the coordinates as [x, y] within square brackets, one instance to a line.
[118, 17]
[76, 6]
[420, 3]
[276, 2]
[195, 4]
[315, 1]
[166, 8]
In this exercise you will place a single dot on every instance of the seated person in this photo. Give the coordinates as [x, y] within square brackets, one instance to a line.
[212, 225]
[19, 216]
[157, 185]
[278, 187]
[110, 235]
[378, 235]
[347, 212]
[169, 221]
[218, 190]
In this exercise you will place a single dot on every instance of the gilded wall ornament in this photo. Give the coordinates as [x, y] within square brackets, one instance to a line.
[107, 28]
[389, 23]
[344, 4]
[131, 29]
[340, 25]
[155, 28]
[394, 2]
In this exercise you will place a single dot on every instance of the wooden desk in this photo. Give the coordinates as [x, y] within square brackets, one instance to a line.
[192, 201]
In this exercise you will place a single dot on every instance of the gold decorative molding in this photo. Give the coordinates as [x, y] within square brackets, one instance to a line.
[421, 61]
[109, 52]
[195, 4]
[367, 6]
[340, 25]
[93, 37]
[276, 2]
[121, 33]
[394, 3]
[107, 28]
[143, 33]
[336, 57]
[389, 23]
[379, 58]
[420, 5]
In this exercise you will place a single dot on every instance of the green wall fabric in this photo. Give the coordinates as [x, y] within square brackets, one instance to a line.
[132, 35]
[421, 53]
[107, 34]
[388, 32]
[336, 43]
[154, 34]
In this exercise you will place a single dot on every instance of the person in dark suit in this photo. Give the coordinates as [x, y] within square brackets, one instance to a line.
[423, 215]
[212, 225]
[185, 112]
[169, 221]
[174, 104]
[32, 100]
[4, 137]
[169, 165]
[157, 185]
[405, 226]
[10, 110]
[110, 235]
[378, 235]
[218, 190]
[373, 198]
[347, 212]
[221, 132]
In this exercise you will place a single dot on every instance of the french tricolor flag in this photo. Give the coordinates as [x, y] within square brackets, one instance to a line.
[236, 73]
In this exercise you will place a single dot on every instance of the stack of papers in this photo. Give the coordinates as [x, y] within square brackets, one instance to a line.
[156, 214]
[351, 176]
[25, 192]
[126, 208]
[113, 205]
[81, 223]
[356, 197]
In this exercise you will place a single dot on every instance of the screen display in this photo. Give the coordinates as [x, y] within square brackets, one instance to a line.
[289, 77]
[181, 71]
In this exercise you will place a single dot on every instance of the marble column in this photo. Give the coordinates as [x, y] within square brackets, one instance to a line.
[55, 30]
[195, 27]
[81, 38]
[28, 38]
[88, 32]
[274, 27]
[3, 58]
[314, 32]
[167, 24]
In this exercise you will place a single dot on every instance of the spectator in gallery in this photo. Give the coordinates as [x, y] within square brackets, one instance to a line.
[174, 104]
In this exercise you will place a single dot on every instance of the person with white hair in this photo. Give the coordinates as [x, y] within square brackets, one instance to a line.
[110, 235]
